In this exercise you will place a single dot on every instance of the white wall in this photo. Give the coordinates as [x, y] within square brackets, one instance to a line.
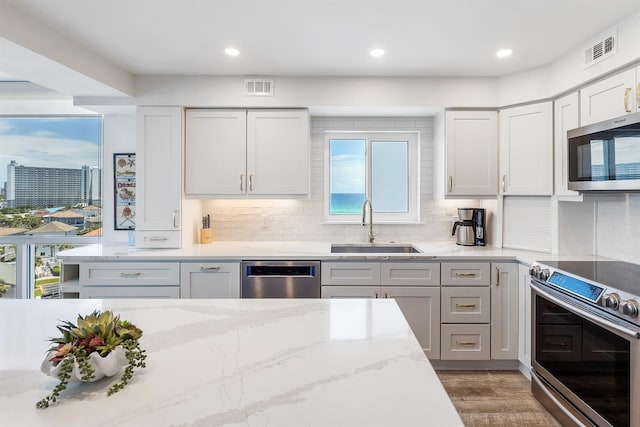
[119, 137]
[303, 219]
[617, 231]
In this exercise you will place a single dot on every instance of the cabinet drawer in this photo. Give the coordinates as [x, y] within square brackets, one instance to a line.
[158, 238]
[466, 305]
[115, 292]
[350, 273]
[466, 274]
[410, 274]
[130, 273]
[465, 342]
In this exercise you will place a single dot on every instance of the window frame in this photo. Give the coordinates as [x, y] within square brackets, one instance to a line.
[412, 216]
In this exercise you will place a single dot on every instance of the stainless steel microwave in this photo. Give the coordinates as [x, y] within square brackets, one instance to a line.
[605, 156]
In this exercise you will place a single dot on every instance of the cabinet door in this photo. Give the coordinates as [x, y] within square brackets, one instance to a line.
[158, 173]
[278, 152]
[117, 292]
[566, 117]
[129, 274]
[216, 152]
[466, 304]
[210, 280]
[526, 150]
[472, 153]
[612, 97]
[421, 307]
[465, 342]
[504, 311]
[524, 317]
[351, 292]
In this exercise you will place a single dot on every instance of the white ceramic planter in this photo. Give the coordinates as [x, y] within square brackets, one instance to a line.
[103, 366]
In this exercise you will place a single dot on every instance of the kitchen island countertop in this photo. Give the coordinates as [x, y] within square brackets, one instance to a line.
[296, 362]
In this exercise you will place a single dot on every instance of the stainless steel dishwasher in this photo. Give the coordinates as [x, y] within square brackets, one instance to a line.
[280, 279]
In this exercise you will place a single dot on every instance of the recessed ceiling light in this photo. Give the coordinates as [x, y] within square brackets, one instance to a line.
[232, 51]
[376, 52]
[504, 53]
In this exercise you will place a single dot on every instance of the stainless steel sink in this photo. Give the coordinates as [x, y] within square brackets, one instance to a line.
[380, 248]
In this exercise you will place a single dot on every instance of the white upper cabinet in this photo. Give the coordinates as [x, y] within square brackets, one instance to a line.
[566, 116]
[278, 152]
[216, 152]
[240, 153]
[612, 97]
[159, 132]
[472, 153]
[526, 150]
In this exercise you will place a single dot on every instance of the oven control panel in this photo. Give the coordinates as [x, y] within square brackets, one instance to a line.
[576, 286]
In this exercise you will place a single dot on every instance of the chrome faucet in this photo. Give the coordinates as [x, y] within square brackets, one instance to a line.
[372, 236]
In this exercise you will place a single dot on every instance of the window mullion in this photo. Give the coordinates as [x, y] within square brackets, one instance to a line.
[368, 171]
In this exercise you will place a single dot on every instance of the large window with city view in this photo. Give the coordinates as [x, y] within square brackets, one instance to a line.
[50, 199]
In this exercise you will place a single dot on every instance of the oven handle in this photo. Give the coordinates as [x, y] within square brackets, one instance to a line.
[595, 319]
[556, 402]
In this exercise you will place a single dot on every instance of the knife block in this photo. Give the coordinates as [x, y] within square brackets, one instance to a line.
[205, 235]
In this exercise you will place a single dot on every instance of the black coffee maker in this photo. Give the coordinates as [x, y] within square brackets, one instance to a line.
[479, 219]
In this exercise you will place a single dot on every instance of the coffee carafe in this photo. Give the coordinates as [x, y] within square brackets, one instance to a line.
[464, 229]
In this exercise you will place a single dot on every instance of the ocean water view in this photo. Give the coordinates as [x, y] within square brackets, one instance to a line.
[346, 203]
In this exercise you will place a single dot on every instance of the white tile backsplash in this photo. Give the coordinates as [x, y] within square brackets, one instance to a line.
[303, 219]
[617, 232]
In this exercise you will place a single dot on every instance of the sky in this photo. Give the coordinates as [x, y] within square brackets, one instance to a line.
[347, 166]
[53, 142]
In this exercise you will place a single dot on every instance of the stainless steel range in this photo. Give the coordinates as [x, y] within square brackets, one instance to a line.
[586, 341]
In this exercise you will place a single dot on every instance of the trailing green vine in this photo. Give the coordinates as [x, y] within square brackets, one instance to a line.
[100, 333]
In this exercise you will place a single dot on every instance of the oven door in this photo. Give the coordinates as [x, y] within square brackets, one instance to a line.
[585, 363]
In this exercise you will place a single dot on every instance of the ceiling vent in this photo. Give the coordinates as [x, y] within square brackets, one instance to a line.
[258, 86]
[601, 49]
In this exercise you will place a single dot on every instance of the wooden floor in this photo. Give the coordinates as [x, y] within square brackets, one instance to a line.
[495, 398]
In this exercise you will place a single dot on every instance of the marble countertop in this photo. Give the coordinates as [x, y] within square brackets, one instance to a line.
[295, 362]
[294, 250]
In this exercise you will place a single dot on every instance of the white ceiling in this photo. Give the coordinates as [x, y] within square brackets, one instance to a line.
[328, 37]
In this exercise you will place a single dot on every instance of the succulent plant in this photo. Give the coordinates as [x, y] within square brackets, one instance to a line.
[98, 332]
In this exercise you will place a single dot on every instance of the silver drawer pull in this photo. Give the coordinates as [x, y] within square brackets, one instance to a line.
[209, 268]
[465, 274]
[157, 239]
[465, 305]
[130, 274]
[465, 343]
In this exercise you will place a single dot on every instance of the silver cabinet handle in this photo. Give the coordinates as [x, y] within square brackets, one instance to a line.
[504, 183]
[176, 219]
[241, 182]
[251, 182]
[209, 268]
[450, 183]
[123, 274]
[466, 343]
[498, 276]
[465, 305]
[465, 274]
[626, 99]
[158, 239]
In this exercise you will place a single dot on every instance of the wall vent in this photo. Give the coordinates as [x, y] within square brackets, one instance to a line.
[601, 49]
[258, 86]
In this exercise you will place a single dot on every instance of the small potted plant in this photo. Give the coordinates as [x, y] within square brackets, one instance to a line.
[3, 288]
[99, 345]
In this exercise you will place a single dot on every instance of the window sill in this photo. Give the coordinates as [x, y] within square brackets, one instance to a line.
[330, 222]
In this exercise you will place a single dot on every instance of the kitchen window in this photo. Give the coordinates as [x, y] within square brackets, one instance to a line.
[380, 166]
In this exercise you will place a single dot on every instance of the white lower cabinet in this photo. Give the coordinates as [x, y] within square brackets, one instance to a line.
[414, 286]
[466, 342]
[524, 311]
[504, 311]
[115, 292]
[466, 305]
[210, 280]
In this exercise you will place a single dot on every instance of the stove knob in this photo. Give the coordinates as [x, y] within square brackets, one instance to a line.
[629, 307]
[544, 274]
[534, 271]
[611, 300]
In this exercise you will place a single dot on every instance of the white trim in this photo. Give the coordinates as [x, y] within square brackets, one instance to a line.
[413, 139]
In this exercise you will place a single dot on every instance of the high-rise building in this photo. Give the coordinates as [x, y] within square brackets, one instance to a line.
[36, 186]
